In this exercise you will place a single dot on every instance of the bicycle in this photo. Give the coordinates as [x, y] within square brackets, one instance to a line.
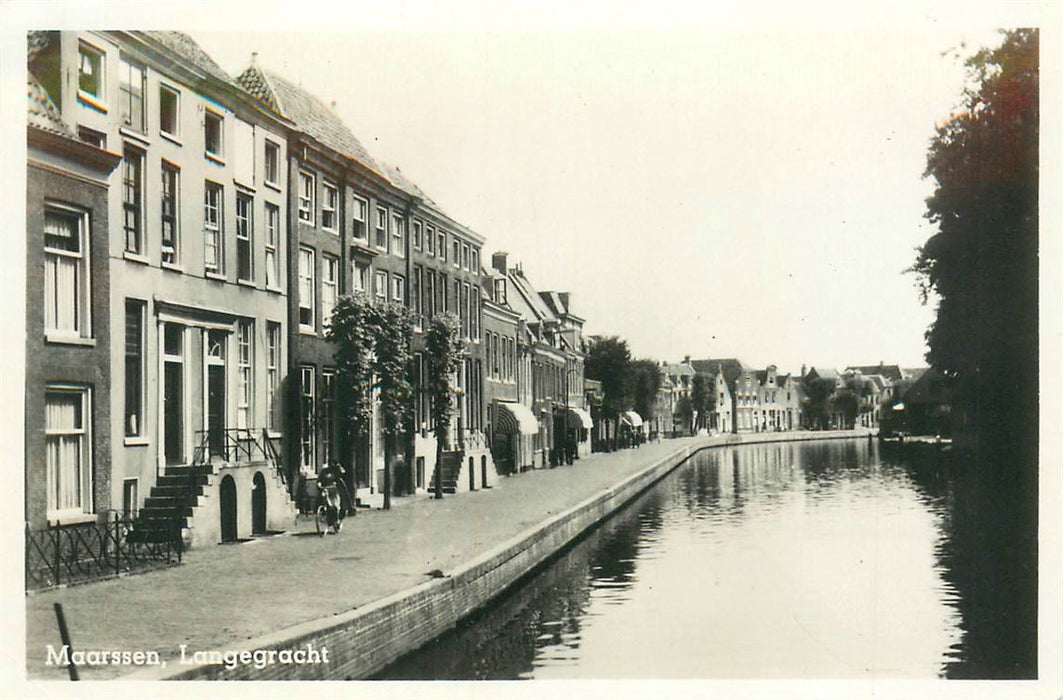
[330, 509]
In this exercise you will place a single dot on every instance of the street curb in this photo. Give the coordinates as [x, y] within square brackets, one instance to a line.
[365, 640]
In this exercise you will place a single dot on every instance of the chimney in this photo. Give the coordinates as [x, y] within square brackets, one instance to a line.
[803, 371]
[332, 106]
[686, 359]
[254, 57]
[498, 261]
[563, 296]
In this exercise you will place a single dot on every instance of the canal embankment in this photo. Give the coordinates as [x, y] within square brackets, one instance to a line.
[388, 584]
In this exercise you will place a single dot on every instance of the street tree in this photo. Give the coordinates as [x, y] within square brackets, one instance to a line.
[702, 399]
[981, 265]
[391, 361]
[684, 410]
[444, 350]
[816, 403]
[609, 361]
[352, 330]
[646, 382]
[847, 403]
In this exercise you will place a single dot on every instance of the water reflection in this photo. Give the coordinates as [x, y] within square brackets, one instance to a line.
[813, 560]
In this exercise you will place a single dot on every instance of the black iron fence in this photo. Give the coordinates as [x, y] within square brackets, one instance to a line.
[76, 553]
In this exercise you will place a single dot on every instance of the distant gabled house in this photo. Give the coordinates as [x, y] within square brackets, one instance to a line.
[676, 389]
[742, 391]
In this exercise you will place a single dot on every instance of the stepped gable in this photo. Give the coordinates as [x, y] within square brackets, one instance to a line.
[187, 48]
[43, 114]
[309, 114]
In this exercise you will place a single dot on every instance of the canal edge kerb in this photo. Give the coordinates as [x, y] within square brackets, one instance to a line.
[378, 633]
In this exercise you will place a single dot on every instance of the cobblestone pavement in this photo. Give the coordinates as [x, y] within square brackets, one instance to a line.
[229, 593]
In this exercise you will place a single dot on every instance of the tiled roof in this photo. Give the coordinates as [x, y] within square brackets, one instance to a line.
[187, 48]
[731, 367]
[892, 372]
[531, 304]
[310, 115]
[37, 41]
[43, 114]
[678, 369]
[826, 373]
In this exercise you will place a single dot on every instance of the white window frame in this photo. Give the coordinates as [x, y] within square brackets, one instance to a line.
[398, 289]
[213, 225]
[398, 236]
[307, 290]
[330, 287]
[380, 285]
[176, 133]
[429, 241]
[245, 354]
[170, 253]
[441, 247]
[273, 365]
[94, 98]
[127, 93]
[54, 467]
[360, 277]
[330, 201]
[380, 231]
[272, 245]
[307, 196]
[307, 395]
[418, 235]
[245, 236]
[208, 115]
[139, 430]
[360, 219]
[79, 293]
[135, 205]
[274, 149]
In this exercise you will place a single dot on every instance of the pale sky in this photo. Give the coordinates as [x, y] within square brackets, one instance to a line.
[714, 192]
[717, 182]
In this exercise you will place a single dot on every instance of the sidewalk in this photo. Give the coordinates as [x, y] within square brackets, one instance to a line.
[228, 593]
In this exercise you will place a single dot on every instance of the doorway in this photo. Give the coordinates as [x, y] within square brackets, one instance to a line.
[227, 505]
[258, 505]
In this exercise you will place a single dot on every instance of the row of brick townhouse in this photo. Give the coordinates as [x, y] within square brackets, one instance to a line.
[190, 235]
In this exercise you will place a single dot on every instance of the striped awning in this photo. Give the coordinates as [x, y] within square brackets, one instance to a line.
[579, 418]
[631, 418]
[516, 418]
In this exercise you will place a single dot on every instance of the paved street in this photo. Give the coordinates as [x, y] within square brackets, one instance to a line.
[229, 593]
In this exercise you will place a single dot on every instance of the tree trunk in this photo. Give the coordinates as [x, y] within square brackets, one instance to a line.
[387, 473]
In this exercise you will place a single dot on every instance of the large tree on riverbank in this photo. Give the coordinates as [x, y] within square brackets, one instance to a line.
[609, 361]
[982, 263]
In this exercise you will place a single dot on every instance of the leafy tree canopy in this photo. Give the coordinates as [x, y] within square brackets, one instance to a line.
[609, 361]
[981, 264]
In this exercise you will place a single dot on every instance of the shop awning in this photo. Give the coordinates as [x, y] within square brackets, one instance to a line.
[579, 418]
[631, 418]
[516, 418]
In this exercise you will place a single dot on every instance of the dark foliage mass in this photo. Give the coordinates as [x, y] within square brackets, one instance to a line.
[982, 263]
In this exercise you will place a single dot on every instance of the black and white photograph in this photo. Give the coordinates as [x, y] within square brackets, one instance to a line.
[588, 350]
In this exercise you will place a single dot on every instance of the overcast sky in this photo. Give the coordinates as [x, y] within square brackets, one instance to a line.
[715, 181]
[714, 192]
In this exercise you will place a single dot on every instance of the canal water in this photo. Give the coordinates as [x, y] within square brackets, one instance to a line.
[833, 559]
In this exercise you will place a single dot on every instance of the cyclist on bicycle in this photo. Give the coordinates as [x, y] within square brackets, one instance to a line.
[329, 481]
